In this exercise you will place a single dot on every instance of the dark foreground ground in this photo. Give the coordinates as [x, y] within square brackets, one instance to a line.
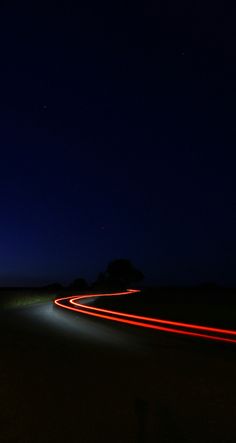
[67, 378]
[214, 306]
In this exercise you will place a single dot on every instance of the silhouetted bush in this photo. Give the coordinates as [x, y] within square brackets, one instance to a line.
[123, 272]
[101, 282]
[79, 284]
[120, 273]
[53, 287]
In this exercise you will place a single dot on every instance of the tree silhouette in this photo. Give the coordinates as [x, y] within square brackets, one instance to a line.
[53, 287]
[121, 272]
[101, 281]
[79, 284]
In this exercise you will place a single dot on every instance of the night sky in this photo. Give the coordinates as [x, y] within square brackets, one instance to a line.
[117, 140]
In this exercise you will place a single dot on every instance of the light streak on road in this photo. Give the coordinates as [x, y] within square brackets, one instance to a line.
[73, 303]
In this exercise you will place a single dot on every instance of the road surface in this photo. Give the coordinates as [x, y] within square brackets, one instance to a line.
[79, 304]
[70, 377]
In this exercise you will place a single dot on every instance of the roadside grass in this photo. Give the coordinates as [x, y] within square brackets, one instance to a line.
[17, 298]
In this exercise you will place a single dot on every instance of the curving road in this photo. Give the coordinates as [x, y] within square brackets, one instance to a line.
[78, 303]
[56, 368]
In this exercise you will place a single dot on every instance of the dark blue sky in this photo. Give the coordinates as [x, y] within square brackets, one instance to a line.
[117, 140]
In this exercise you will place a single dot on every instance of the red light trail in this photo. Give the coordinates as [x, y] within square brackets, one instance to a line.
[72, 303]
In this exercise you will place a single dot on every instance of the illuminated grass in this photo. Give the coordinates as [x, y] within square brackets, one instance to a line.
[12, 299]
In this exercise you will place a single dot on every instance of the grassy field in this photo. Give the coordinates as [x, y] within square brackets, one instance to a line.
[11, 298]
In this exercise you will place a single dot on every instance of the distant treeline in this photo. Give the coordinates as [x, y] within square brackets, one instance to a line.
[122, 274]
